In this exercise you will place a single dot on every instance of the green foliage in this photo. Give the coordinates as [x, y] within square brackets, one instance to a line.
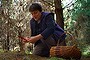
[55, 58]
[81, 14]
[86, 51]
[79, 24]
[1, 51]
[81, 7]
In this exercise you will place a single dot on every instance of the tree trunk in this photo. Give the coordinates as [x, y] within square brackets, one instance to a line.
[20, 42]
[59, 13]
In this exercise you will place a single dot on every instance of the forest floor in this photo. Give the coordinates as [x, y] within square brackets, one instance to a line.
[23, 56]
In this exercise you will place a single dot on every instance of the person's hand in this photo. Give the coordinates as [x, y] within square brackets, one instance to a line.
[27, 39]
[24, 39]
[32, 39]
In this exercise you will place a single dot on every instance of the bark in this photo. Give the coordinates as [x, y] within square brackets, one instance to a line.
[59, 13]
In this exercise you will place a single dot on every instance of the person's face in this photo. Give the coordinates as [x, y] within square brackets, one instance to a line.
[36, 15]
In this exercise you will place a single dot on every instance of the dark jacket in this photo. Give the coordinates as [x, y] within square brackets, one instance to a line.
[46, 27]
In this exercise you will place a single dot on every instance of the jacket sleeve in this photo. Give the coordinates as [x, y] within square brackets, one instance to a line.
[50, 23]
[32, 26]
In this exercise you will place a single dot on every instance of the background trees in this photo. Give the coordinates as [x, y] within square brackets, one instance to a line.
[71, 15]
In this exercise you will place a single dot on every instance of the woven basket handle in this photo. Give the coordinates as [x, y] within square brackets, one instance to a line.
[72, 38]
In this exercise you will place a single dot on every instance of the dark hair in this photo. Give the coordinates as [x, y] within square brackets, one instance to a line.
[34, 7]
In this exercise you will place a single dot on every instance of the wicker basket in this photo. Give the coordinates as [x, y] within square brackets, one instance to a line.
[65, 51]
